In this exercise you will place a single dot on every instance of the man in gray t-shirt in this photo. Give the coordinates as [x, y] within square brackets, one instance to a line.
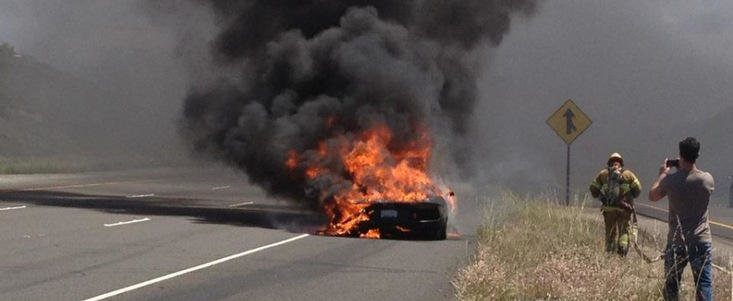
[689, 238]
[688, 192]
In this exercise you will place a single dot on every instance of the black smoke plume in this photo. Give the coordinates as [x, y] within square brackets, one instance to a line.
[309, 72]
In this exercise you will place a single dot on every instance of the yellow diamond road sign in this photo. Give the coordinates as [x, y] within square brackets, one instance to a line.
[569, 121]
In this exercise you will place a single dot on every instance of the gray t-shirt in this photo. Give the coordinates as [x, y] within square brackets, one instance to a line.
[689, 195]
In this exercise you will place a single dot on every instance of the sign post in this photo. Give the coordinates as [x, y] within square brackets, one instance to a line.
[568, 122]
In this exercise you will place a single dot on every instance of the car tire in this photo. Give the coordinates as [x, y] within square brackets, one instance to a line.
[441, 233]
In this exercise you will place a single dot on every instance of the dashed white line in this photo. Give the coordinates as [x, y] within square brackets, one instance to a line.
[220, 187]
[192, 269]
[12, 208]
[82, 185]
[137, 196]
[241, 204]
[128, 222]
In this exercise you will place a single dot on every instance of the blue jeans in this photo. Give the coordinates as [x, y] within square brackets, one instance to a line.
[676, 257]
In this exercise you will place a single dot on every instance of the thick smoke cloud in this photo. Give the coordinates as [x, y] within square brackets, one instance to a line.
[310, 72]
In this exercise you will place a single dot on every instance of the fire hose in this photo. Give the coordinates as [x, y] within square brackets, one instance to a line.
[633, 233]
[633, 229]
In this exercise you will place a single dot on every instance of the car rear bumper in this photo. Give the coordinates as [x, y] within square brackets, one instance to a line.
[413, 229]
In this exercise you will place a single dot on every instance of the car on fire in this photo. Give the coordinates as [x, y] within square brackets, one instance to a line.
[413, 220]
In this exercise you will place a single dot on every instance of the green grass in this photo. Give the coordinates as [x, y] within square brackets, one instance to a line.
[543, 250]
[76, 163]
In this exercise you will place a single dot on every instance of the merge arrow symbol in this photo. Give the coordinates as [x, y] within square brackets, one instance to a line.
[570, 126]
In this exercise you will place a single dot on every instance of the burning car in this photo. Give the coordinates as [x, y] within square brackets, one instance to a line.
[417, 220]
[344, 113]
[371, 191]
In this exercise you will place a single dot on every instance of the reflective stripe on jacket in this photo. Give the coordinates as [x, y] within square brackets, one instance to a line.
[630, 185]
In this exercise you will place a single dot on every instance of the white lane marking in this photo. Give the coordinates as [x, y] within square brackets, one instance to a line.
[192, 269]
[137, 196]
[241, 204]
[12, 208]
[128, 222]
[83, 185]
[220, 187]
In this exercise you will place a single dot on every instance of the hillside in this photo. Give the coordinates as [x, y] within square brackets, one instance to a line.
[46, 111]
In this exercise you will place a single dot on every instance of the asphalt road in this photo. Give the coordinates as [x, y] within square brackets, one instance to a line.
[720, 226]
[196, 234]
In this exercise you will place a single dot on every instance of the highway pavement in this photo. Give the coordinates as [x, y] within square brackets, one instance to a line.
[721, 225]
[196, 234]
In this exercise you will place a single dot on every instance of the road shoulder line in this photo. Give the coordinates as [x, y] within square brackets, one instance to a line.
[724, 225]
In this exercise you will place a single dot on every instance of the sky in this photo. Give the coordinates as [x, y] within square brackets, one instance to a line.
[639, 69]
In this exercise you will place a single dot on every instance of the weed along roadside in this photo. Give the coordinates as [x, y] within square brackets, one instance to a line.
[544, 250]
[54, 164]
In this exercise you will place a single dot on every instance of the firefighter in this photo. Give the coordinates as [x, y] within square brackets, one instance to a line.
[616, 188]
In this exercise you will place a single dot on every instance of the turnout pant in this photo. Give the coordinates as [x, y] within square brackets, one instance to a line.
[617, 230]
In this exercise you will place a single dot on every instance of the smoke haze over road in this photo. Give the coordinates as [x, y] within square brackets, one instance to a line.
[648, 73]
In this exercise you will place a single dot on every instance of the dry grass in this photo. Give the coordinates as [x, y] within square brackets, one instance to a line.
[548, 251]
[67, 164]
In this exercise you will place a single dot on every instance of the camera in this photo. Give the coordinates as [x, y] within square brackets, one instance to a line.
[673, 163]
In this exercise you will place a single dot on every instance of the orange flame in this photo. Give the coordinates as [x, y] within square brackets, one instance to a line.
[372, 233]
[377, 173]
[313, 172]
[292, 161]
[403, 229]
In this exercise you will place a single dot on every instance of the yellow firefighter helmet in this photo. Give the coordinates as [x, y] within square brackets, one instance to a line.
[615, 157]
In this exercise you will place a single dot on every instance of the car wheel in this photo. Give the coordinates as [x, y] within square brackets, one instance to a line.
[441, 233]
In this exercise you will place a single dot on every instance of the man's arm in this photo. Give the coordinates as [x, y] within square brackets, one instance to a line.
[595, 186]
[655, 193]
[633, 183]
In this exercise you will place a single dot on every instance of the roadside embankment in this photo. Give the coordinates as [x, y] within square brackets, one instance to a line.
[543, 250]
[50, 164]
